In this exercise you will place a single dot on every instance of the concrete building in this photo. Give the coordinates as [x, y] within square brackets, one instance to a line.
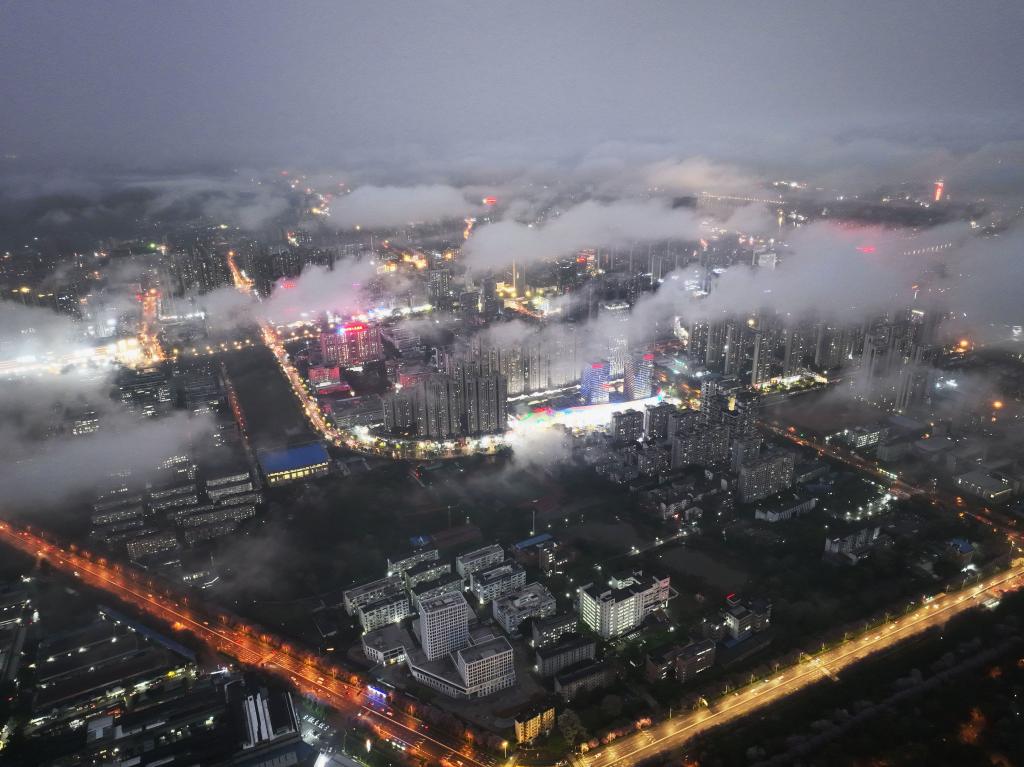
[387, 645]
[443, 625]
[695, 658]
[765, 476]
[152, 544]
[470, 672]
[479, 559]
[627, 426]
[790, 506]
[548, 631]
[533, 601]
[989, 485]
[743, 619]
[592, 676]
[294, 463]
[449, 583]
[656, 421]
[425, 572]
[623, 605]
[352, 599]
[487, 667]
[553, 658]
[534, 722]
[401, 564]
[497, 581]
[389, 609]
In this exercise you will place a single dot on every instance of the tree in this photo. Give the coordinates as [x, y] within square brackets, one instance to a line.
[570, 726]
[611, 705]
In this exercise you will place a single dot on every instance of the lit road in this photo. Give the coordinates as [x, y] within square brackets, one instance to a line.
[149, 344]
[897, 486]
[674, 733]
[250, 646]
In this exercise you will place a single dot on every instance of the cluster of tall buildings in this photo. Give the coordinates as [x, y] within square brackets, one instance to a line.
[756, 350]
[350, 344]
[444, 406]
[545, 360]
[893, 353]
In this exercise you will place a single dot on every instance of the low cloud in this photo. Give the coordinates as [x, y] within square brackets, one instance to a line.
[699, 174]
[317, 290]
[51, 471]
[28, 331]
[380, 207]
[589, 224]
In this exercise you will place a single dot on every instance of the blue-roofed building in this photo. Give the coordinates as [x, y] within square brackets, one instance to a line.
[534, 541]
[292, 463]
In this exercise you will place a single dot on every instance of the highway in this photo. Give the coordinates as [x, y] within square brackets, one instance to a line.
[674, 733]
[949, 501]
[249, 646]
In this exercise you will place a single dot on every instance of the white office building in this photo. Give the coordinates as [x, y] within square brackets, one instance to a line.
[623, 604]
[443, 624]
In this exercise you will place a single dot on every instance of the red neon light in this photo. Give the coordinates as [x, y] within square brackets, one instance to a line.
[938, 190]
[288, 284]
[597, 366]
[648, 357]
[730, 596]
[490, 201]
[867, 248]
[353, 326]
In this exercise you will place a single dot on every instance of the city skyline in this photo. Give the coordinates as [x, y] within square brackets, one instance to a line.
[463, 385]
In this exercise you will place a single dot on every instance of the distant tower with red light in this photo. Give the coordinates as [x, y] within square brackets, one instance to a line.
[940, 188]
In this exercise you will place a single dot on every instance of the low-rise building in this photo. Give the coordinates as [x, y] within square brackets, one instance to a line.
[744, 618]
[548, 631]
[152, 544]
[389, 609]
[428, 570]
[853, 547]
[533, 601]
[694, 658]
[352, 599]
[552, 659]
[399, 565]
[590, 676]
[785, 507]
[294, 463]
[534, 722]
[479, 559]
[497, 581]
[992, 486]
[387, 644]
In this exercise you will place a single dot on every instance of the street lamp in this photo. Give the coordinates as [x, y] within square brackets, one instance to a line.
[504, 748]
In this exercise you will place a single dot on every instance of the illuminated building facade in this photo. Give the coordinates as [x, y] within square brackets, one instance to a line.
[594, 384]
[351, 344]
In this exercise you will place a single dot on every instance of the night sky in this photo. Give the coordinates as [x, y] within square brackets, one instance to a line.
[435, 89]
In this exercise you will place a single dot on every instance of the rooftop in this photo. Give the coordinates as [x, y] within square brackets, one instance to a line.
[293, 458]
